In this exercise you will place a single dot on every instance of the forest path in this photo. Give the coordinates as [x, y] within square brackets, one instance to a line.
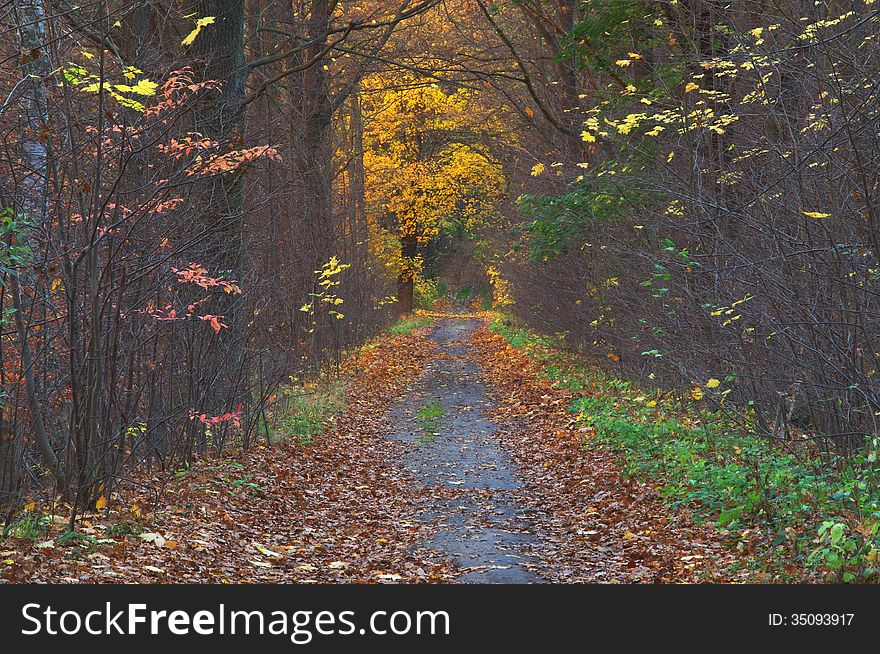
[451, 450]
[455, 460]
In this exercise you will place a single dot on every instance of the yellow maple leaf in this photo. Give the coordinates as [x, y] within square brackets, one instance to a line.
[101, 503]
[713, 383]
[697, 393]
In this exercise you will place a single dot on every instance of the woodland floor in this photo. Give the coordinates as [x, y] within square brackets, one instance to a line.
[454, 461]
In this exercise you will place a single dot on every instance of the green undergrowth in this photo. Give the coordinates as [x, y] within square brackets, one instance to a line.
[790, 515]
[27, 525]
[411, 322]
[306, 409]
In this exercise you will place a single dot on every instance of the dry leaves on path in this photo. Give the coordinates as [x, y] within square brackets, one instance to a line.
[335, 510]
[596, 524]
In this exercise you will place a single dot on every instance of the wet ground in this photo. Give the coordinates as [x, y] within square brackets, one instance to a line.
[450, 449]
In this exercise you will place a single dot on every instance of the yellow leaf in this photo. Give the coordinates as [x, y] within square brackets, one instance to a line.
[537, 169]
[816, 214]
[628, 535]
[101, 503]
[145, 87]
[30, 505]
[691, 87]
[200, 23]
[262, 549]
[713, 383]
[651, 403]
[697, 393]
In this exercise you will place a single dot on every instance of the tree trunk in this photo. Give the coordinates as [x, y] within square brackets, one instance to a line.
[310, 144]
[36, 69]
[220, 50]
[31, 197]
[405, 281]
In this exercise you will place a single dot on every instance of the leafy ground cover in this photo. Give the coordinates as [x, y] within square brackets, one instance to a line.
[333, 507]
[615, 483]
[598, 523]
[785, 514]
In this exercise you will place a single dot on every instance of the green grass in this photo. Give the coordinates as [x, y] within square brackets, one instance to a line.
[27, 525]
[798, 514]
[308, 410]
[407, 324]
[430, 411]
[428, 417]
[125, 527]
[245, 483]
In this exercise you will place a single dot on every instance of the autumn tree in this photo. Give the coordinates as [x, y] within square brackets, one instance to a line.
[427, 170]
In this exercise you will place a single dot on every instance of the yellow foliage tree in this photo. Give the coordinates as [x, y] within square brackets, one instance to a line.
[427, 171]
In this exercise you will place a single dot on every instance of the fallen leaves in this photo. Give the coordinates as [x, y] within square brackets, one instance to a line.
[626, 533]
[336, 510]
[156, 539]
[341, 508]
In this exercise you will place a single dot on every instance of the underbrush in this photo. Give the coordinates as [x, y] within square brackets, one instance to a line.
[29, 524]
[789, 514]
